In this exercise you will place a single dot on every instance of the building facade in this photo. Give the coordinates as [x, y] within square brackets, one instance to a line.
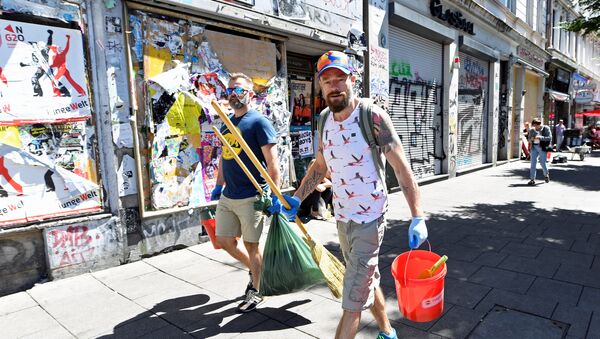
[106, 147]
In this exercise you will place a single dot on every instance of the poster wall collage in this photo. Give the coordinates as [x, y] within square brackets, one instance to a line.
[182, 66]
[47, 159]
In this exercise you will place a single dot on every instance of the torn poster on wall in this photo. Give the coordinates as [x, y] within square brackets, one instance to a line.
[127, 178]
[42, 74]
[33, 189]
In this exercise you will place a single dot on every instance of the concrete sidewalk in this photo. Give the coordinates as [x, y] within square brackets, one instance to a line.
[524, 262]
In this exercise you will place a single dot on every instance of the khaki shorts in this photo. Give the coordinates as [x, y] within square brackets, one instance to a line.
[237, 217]
[360, 246]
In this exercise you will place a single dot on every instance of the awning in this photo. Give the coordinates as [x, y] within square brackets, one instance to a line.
[531, 67]
[558, 96]
[594, 113]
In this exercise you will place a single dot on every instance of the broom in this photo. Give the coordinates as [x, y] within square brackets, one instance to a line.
[287, 260]
[333, 270]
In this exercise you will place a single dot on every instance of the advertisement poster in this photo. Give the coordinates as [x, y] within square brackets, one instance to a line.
[301, 92]
[302, 143]
[42, 74]
[32, 188]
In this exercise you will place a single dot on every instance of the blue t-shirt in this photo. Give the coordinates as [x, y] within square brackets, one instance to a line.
[257, 131]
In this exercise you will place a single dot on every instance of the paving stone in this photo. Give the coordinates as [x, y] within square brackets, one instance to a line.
[149, 284]
[591, 246]
[459, 269]
[491, 259]
[541, 240]
[578, 318]
[578, 275]
[534, 305]
[320, 320]
[15, 302]
[590, 299]
[169, 331]
[33, 322]
[485, 244]
[457, 322]
[538, 267]
[564, 293]
[503, 279]
[566, 257]
[464, 293]
[285, 307]
[402, 331]
[206, 250]
[594, 330]
[272, 329]
[566, 231]
[459, 252]
[139, 326]
[522, 250]
[506, 323]
[124, 272]
[85, 306]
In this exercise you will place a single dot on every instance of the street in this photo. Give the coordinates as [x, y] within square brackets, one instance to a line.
[524, 262]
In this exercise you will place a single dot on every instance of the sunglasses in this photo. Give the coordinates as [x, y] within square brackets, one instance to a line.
[236, 90]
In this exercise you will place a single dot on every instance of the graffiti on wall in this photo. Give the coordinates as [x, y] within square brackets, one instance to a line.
[470, 121]
[474, 74]
[80, 244]
[413, 106]
[160, 234]
[319, 13]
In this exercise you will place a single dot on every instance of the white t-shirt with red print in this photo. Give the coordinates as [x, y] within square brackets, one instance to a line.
[358, 193]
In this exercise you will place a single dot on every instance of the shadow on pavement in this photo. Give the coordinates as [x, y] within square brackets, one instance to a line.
[194, 315]
[585, 177]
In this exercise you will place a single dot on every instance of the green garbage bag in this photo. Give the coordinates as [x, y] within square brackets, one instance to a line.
[264, 202]
[288, 265]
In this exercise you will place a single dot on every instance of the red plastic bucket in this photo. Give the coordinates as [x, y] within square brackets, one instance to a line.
[210, 225]
[420, 300]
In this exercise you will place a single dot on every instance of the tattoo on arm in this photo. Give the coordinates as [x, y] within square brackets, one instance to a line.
[312, 179]
[386, 135]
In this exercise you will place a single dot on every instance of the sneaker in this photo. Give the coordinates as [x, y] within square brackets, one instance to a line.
[253, 299]
[383, 335]
[531, 183]
[249, 286]
[547, 178]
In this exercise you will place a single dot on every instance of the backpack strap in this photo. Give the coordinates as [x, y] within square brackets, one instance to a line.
[367, 128]
[321, 124]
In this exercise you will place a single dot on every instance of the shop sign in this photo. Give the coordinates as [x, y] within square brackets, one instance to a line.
[580, 83]
[584, 96]
[454, 18]
[531, 57]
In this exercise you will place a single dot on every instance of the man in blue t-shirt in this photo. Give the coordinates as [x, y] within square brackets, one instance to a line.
[236, 215]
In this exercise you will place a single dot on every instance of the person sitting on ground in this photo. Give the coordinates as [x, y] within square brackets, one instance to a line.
[310, 205]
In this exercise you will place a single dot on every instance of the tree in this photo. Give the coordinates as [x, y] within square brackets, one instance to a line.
[589, 23]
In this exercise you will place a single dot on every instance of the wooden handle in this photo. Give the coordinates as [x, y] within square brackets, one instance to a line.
[438, 263]
[263, 172]
[238, 160]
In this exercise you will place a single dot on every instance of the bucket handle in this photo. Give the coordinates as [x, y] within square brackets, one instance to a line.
[408, 259]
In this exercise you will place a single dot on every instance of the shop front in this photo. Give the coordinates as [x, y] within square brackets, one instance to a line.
[112, 141]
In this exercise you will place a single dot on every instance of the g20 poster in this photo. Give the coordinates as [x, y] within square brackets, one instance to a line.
[42, 74]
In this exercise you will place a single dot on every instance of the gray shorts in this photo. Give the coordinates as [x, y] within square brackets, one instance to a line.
[238, 218]
[360, 246]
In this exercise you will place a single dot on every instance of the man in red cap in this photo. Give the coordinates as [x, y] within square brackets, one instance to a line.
[360, 196]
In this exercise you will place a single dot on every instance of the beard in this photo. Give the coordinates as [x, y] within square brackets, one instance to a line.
[338, 104]
[236, 103]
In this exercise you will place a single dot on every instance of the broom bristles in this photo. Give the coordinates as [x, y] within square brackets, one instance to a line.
[333, 270]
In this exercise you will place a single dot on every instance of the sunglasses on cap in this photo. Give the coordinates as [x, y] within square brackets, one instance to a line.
[236, 91]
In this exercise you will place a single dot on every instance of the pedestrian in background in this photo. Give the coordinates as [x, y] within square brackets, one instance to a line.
[359, 194]
[559, 131]
[236, 216]
[540, 138]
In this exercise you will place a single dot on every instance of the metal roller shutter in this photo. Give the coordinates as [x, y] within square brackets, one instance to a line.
[472, 107]
[415, 95]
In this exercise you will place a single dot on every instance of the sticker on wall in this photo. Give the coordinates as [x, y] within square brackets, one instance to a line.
[42, 74]
[127, 179]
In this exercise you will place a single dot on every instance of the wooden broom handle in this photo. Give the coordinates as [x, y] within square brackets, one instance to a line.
[238, 160]
[256, 162]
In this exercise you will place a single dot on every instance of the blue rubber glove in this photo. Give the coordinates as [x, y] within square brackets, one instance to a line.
[277, 207]
[417, 232]
[216, 193]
